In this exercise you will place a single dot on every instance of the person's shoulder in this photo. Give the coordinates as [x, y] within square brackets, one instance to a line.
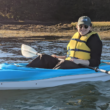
[94, 42]
[95, 36]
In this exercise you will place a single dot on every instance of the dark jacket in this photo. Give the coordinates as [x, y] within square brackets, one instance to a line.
[95, 44]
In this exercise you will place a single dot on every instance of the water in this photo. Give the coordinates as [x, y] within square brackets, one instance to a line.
[80, 96]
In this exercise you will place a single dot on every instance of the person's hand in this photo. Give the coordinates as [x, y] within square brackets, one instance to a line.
[72, 59]
[53, 55]
[75, 60]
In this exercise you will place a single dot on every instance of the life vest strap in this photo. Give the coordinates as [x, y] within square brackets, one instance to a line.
[78, 40]
[79, 50]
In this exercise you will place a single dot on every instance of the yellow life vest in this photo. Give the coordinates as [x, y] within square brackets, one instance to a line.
[77, 47]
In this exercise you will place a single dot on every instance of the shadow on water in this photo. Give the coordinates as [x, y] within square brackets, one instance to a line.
[80, 96]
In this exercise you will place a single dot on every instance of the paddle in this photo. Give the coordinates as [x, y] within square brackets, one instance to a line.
[106, 62]
[96, 69]
[29, 52]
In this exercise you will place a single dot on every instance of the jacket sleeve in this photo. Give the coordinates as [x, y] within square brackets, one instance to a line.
[95, 44]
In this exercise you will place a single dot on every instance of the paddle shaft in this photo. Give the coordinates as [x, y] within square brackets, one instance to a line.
[106, 62]
[96, 69]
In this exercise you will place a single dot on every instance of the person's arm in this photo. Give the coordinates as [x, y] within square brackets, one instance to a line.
[95, 44]
[59, 57]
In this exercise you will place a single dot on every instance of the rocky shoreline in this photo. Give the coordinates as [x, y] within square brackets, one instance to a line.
[45, 31]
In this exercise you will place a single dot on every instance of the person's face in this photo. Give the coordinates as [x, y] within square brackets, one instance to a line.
[83, 29]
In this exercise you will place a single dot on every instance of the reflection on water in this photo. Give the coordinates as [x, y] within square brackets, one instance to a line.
[80, 96]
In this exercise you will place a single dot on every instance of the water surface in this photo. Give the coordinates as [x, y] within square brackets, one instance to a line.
[79, 96]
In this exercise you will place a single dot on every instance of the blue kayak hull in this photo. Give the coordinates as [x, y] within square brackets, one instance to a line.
[18, 76]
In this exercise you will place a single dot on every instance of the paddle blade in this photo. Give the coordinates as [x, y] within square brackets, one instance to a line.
[28, 51]
[27, 54]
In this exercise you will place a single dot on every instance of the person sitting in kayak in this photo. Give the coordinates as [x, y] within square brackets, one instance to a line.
[85, 47]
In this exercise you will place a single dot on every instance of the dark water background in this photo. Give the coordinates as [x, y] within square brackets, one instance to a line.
[79, 96]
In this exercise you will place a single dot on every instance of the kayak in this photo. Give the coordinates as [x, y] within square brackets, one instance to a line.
[17, 76]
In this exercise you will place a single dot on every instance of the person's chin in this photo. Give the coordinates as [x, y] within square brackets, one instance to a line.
[82, 34]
